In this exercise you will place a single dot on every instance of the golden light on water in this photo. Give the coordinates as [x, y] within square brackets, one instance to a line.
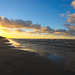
[15, 44]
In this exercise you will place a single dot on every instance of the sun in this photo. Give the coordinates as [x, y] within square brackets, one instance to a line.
[0, 33]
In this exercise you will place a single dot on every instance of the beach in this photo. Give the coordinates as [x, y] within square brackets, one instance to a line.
[14, 61]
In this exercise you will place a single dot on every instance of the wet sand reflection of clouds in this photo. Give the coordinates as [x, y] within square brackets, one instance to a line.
[60, 51]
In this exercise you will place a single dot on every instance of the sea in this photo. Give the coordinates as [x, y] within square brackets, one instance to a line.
[61, 51]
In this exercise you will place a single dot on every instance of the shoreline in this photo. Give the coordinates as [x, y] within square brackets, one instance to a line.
[19, 62]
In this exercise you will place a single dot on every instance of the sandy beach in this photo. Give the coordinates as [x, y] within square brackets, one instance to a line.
[19, 62]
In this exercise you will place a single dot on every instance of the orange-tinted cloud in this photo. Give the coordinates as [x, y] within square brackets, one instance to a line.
[19, 30]
[20, 26]
[73, 4]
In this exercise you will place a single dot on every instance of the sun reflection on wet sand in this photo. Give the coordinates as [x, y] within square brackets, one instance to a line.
[13, 43]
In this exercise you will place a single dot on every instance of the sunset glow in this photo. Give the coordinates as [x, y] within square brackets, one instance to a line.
[44, 25]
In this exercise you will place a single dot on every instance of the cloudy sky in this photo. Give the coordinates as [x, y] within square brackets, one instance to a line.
[48, 19]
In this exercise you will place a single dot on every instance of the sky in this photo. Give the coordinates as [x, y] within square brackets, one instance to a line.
[48, 19]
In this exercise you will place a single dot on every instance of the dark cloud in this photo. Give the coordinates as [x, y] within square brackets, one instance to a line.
[47, 28]
[1, 18]
[19, 30]
[60, 30]
[19, 23]
[70, 29]
[71, 18]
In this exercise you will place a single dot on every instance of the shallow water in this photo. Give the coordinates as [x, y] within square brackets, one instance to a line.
[62, 52]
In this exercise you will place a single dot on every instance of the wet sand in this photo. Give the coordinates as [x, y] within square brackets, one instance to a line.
[19, 62]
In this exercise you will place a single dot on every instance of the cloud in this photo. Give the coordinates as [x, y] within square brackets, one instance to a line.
[1, 17]
[5, 29]
[19, 30]
[31, 32]
[73, 4]
[71, 22]
[21, 26]
[60, 30]
[19, 23]
[61, 15]
[61, 33]
[71, 18]
[45, 29]
[71, 29]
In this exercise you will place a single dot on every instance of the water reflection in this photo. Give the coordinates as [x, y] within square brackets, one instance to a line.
[13, 43]
[70, 63]
[64, 59]
[60, 51]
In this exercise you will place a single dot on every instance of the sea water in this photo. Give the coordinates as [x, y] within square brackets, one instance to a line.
[61, 51]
